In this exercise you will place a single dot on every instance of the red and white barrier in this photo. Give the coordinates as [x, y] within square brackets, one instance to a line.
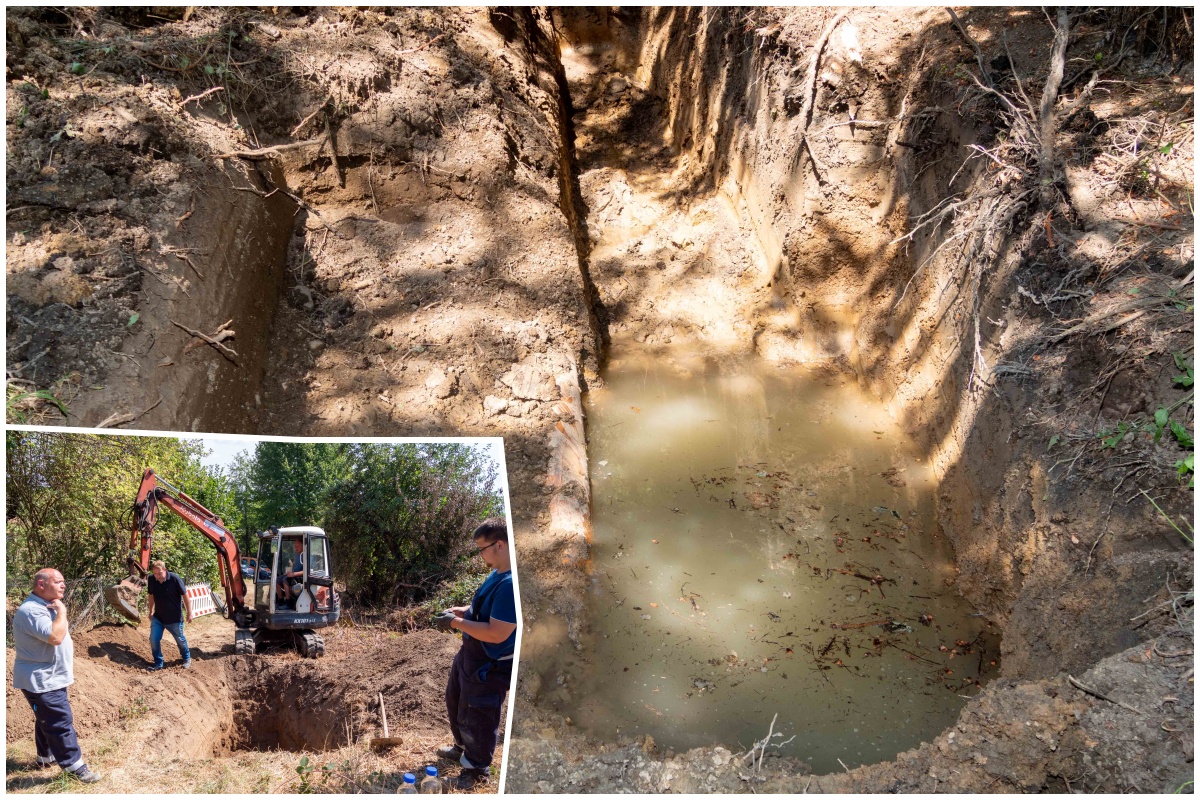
[200, 600]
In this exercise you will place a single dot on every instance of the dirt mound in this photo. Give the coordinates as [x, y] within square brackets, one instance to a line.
[272, 701]
[112, 687]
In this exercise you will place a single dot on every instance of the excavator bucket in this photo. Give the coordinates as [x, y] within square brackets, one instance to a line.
[124, 598]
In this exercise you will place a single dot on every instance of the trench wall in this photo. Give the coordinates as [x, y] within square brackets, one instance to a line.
[235, 242]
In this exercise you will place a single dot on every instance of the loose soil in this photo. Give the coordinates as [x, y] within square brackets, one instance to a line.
[465, 207]
[243, 723]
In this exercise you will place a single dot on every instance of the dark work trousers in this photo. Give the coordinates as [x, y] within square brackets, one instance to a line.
[474, 697]
[54, 728]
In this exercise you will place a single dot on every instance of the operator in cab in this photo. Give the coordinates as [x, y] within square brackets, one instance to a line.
[482, 669]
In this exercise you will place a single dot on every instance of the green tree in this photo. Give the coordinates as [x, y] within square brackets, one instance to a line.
[400, 522]
[290, 480]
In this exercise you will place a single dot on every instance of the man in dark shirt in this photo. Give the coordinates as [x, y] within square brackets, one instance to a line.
[482, 669]
[168, 606]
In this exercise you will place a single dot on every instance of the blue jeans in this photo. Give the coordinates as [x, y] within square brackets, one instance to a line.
[156, 633]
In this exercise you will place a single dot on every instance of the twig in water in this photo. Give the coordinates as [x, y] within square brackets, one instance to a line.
[761, 746]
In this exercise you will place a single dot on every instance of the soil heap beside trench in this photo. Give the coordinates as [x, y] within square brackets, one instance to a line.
[227, 704]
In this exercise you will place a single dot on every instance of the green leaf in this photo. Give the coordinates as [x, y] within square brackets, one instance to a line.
[133, 318]
[1116, 438]
[1166, 148]
[1135, 291]
[1160, 422]
[1186, 465]
[208, 70]
[1053, 441]
[1181, 434]
[1186, 380]
[1180, 362]
[78, 68]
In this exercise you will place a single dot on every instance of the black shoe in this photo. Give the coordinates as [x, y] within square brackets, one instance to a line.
[450, 752]
[44, 761]
[155, 667]
[469, 779]
[85, 775]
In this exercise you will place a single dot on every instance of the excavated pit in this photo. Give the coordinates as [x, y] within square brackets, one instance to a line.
[511, 193]
[713, 226]
[276, 706]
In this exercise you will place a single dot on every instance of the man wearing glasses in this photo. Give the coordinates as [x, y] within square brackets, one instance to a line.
[482, 669]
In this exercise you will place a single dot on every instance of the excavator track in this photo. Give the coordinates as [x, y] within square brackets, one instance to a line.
[310, 644]
[243, 642]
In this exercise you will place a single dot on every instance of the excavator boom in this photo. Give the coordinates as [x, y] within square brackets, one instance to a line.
[124, 595]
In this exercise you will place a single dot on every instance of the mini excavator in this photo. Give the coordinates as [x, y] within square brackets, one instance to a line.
[284, 611]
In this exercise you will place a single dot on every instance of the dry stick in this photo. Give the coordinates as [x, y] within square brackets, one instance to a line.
[337, 166]
[202, 95]
[422, 47]
[971, 41]
[1047, 124]
[1094, 693]
[810, 81]
[270, 152]
[228, 352]
[123, 419]
[308, 119]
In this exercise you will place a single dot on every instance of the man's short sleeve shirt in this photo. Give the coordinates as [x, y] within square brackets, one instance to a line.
[495, 599]
[40, 666]
[168, 598]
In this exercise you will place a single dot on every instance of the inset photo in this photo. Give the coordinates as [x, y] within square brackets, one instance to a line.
[243, 615]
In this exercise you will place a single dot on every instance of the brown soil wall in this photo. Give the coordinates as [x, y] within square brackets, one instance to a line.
[237, 242]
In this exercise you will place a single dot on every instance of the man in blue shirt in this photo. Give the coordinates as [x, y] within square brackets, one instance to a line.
[482, 669]
[44, 668]
[168, 605]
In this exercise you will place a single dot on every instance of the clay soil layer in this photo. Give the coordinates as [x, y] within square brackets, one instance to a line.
[243, 723]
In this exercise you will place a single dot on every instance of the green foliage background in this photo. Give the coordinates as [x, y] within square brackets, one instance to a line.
[399, 517]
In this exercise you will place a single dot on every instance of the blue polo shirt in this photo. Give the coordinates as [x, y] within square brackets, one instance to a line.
[40, 666]
[495, 599]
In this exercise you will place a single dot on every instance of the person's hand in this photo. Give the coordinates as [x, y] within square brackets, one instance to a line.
[442, 621]
[459, 612]
[59, 607]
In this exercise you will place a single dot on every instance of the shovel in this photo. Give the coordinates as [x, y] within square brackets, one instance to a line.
[379, 743]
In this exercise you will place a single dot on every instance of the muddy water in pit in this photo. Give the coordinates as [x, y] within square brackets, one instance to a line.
[740, 513]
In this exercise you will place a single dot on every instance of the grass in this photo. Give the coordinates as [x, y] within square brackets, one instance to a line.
[20, 407]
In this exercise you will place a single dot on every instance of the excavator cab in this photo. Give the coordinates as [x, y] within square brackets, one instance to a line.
[293, 590]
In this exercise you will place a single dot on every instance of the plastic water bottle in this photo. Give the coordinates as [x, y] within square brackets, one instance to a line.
[410, 784]
[430, 784]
